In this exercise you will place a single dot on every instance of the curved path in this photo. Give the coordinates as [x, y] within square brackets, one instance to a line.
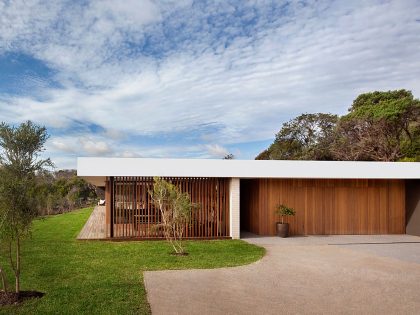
[304, 275]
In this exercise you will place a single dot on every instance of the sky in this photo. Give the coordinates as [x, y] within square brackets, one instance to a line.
[194, 79]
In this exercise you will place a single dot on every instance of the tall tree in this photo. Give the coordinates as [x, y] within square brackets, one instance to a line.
[306, 137]
[380, 126]
[20, 161]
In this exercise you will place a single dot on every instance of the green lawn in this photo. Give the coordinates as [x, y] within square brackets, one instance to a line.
[97, 277]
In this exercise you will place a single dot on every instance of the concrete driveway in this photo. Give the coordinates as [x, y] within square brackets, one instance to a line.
[301, 275]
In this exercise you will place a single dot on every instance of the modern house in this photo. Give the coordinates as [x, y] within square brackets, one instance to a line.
[330, 197]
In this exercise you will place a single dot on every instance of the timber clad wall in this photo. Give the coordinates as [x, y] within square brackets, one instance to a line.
[131, 213]
[325, 206]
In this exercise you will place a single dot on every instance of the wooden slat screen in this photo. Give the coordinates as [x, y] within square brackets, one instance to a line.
[133, 214]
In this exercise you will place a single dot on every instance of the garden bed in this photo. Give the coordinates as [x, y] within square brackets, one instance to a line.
[13, 298]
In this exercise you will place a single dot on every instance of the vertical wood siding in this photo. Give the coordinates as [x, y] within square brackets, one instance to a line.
[132, 213]
[108, 208]
[325, 206]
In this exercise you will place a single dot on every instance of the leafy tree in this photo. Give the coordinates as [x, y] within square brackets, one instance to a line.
[62, 191]
[175, 208]
[19, 164]
[229, 156]
[306, 137]
[264, 155]
[380, 126]
[411, 148]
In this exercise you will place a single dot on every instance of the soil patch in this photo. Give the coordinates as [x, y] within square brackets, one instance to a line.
[179, 254]
[12, 298]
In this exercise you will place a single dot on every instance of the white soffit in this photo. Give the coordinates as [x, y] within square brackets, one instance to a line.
[87, 167]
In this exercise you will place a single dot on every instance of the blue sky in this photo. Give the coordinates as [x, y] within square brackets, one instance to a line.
[194, 79]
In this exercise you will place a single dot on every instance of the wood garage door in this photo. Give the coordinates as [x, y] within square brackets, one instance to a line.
[325, 206]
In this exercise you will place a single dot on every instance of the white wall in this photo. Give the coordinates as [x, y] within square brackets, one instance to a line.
[234, 197]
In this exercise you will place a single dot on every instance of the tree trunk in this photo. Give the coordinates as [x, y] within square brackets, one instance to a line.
[3, 280]
[17, 273]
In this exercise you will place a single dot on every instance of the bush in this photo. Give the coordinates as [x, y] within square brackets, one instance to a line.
[283, 211]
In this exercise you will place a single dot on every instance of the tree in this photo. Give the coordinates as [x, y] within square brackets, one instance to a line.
[20, 162]
[229, 156]
[306, 137]
[380, 126]
[264, 155]
[175, 208]
[62, 191]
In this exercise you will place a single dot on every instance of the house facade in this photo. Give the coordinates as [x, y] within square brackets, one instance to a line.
[330, 197]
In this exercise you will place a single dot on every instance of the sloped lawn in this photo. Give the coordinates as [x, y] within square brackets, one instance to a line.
[97, 277]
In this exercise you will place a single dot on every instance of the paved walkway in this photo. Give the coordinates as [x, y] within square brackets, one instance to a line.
[302, 275]
[95, 226]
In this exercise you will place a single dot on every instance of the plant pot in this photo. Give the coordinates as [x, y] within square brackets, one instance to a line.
[282, 229]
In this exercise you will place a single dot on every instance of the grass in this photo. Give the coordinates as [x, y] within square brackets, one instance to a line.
[98, 277]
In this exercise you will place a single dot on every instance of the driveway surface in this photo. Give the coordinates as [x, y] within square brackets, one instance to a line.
[301, 275]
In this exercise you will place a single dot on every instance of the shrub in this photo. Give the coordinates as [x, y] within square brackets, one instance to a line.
[283, 211]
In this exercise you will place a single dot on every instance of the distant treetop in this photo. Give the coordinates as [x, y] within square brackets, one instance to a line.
[380, 126]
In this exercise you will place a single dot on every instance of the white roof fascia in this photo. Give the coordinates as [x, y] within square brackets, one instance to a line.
[87, 166]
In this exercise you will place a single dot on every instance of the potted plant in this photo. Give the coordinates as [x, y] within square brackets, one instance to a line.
[283, 228]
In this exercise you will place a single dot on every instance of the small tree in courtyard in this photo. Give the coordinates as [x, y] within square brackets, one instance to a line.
[19, 163]
[175, 208]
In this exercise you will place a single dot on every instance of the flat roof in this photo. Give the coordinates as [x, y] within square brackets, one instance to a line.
[96, 169]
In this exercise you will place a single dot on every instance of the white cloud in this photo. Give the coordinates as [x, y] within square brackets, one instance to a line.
[80, 144]
[62, 146]
[314, 58]
[93, 147]
[216, 150]
[77, 38]
[74, 145]
[129, 154]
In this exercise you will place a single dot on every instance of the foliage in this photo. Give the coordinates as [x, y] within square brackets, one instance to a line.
[265, 155]
[63, 191]
[106, 277]
[284, 211]
[20, 162]
[380, 126]
[229, 156]
[175, 208]
[305, 137]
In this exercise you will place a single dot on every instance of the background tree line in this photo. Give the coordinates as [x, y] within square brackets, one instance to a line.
[379, 126]
[61, 191]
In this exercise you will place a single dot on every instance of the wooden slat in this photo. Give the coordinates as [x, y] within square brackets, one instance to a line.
[135, 214]
[329, 206]
[108, 207]
[396, 207]
[94, 227]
